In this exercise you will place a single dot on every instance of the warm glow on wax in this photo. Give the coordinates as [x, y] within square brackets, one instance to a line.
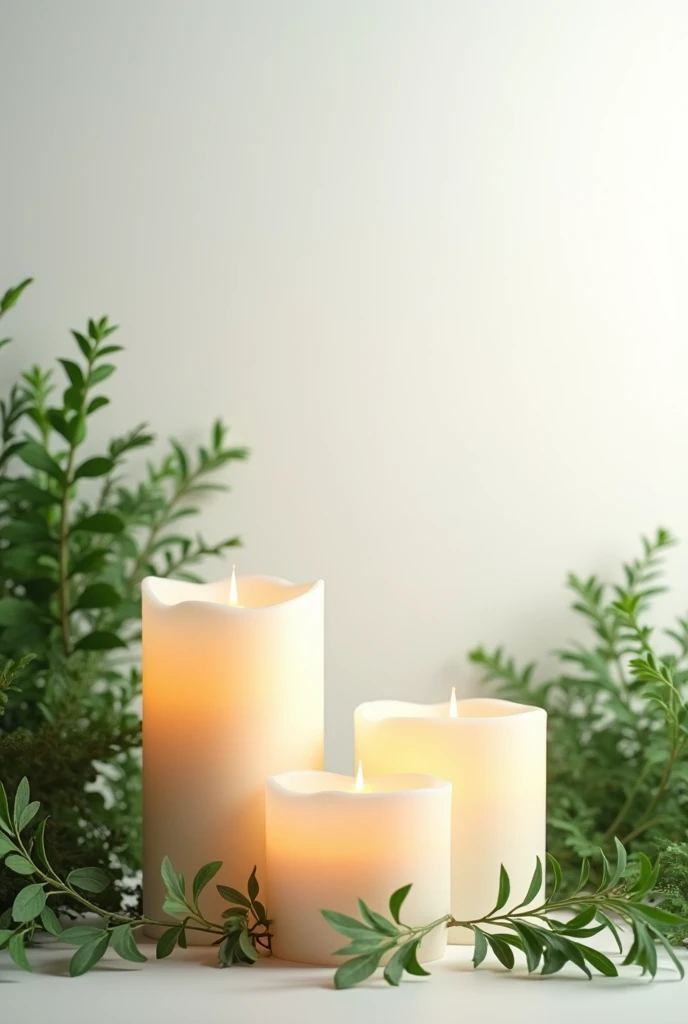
[360, 784]
[452, 704]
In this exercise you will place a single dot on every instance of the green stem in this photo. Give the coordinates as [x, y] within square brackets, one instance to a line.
[64, 555]
[625, 807]
[645, 821]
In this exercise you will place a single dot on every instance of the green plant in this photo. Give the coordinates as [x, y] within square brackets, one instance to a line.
[244, 931]
[544, 939]
[76, 538]
[617, 717]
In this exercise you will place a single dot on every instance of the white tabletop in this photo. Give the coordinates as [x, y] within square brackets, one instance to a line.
[188, 988]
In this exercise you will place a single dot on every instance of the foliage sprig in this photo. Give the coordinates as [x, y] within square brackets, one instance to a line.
[547, 942]
[241, 936]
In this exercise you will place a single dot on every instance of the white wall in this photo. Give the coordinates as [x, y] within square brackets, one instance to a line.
[429, 258]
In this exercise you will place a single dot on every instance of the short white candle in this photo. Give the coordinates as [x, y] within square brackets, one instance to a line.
[329, 844]
[494, 754]
[233, 691]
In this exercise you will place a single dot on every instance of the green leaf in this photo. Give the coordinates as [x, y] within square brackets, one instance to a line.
[28, 814]
[4, 807]
[553, 961]
[535, 884]
[253, 888]
[584, 874]
[354, 971]
[102, 372]
[376, 921]
[501, 949]
[73, 371]
[672, 955]
[598, 960]
[480, 948]
[124, 944]
[100, 522]
[20, 865]
[89, 879]
[79, 935]
[98, 466]
[247, 947]
[396, 901]
[556, 875]
[583, 918]
[366, 944]
[17, 611]
[174, 907]
[83, 343]
[98, 595]
[233, 895]
[12, 295]
[109, 349]
[504, 889]
[21, 800]
[99, 640]
[37, 457]
[345, 925]
[5, 936]
[40, 841]
[654, 914]
[28, 903]
[260, 911]
[88, 955]
[96, 404]
[610, 926]
[6, 845]
[203, 876]
[531, 944]
[168, 941]
[411, 965]
[17, 951]
[173, 882]
[395, 966]
[50, 922]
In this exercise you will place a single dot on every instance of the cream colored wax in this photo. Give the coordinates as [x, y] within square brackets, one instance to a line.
[231, 695]
[493, 752]
[329, 844]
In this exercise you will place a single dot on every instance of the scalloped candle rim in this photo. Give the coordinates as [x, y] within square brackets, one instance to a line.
[255, 592]
[477, 709]
[310, 785]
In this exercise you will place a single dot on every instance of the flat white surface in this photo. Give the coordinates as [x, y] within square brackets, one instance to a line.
[186, 987]
[427, 256]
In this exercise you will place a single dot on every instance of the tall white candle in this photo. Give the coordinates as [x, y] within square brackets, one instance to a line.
[494, 754]
[232, 693]
[329, 844]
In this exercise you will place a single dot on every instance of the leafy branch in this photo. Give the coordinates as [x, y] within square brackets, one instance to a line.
[242, 934]
[537, 932]
[617, 716]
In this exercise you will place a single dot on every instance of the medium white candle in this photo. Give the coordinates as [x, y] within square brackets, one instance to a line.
[494, 754]
[232, 693]
[329, 844]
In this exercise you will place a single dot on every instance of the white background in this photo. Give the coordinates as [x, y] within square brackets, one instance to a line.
[428, 258]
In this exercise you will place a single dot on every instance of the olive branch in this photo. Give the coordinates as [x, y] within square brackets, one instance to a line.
[536, 931]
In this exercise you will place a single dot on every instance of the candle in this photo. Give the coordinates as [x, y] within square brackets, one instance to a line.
[493, 752]
[233, 692]
[331, 840]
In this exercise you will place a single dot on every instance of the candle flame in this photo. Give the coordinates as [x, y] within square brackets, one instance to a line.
[233, 596]
[360, 785]
[452, 704]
